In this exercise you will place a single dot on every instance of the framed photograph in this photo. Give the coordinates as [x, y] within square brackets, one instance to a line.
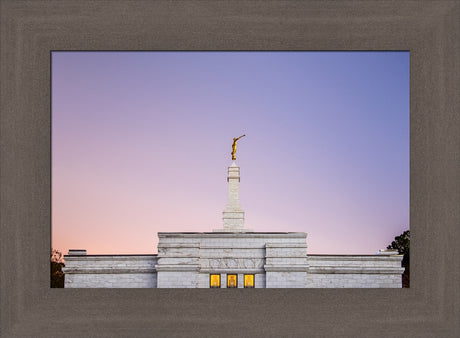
[31, 30]
[141, 146]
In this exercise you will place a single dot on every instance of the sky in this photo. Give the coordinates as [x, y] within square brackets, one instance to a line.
[141, 142]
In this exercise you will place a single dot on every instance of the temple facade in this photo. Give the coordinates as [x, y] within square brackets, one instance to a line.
[233, 257]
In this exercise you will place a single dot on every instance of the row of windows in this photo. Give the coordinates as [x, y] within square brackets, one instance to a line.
[232, 281]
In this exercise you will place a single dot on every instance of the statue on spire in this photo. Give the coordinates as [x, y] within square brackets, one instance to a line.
[234, 147]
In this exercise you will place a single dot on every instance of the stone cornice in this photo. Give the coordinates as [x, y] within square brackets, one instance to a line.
[179, 245]
[232, 235]
[231, 271]
[286, 267]
[354, 270]
[93, 270]
[110, 258]
[177, 267]
[396, 258]
[223, 247]
[286, 245]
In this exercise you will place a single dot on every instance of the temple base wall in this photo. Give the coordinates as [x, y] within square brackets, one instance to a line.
[110, 271]
[353, 271]
[276, 260]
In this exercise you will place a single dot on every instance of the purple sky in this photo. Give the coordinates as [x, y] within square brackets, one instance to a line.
[141, 143]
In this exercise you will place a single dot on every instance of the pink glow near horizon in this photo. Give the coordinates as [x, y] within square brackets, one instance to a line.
[141, 143]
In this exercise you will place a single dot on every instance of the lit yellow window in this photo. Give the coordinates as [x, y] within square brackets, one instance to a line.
[248, 281]
[232, 281]
[215, 281]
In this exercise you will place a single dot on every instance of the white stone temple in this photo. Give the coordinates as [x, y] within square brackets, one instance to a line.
[233, 257]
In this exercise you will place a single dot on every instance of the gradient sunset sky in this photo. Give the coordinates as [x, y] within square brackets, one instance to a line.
[141, 142]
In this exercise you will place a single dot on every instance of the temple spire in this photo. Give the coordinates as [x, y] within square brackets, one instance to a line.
[233, 215]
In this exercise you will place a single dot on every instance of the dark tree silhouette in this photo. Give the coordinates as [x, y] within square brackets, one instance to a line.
[402, 244]
[57, 263]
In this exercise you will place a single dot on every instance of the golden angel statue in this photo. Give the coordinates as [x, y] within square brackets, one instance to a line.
[234, 146]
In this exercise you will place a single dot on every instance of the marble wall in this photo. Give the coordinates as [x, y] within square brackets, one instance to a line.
[110, 271]
[277, 260]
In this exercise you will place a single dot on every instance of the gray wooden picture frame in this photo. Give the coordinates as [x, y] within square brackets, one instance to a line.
[30, 30]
